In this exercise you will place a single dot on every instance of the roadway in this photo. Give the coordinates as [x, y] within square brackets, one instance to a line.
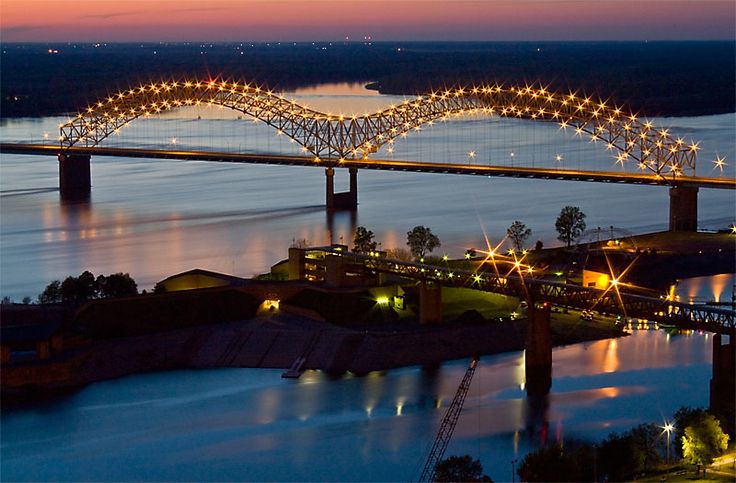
[381, 164]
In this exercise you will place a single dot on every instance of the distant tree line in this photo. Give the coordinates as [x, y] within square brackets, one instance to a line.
[86, 287]
[570, 224]
[644, 77]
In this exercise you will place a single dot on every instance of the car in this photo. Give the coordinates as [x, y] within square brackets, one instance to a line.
[586, 315]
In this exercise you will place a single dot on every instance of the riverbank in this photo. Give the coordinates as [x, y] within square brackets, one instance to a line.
[277, 340]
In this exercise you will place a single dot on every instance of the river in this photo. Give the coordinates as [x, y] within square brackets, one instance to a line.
[251, 425]
[153, 218]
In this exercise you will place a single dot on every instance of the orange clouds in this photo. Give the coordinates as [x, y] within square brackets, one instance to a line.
[235, 20]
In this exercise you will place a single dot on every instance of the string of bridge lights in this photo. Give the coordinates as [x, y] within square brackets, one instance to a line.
[333, 138]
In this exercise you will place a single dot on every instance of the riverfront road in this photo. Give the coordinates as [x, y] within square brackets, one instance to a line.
[378, 164]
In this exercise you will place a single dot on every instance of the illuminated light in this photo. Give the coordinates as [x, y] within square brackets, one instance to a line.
[471, 154]
[558, 157]
[271, 304]
[382, 300]
[399, 407]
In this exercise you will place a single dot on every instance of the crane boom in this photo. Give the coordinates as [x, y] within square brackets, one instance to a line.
[448, 425]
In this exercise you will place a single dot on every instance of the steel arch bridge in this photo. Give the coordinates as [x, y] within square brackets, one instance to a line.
[335, 138]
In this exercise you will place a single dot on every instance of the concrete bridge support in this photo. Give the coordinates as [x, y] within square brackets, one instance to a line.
[683, 208]
[723, 380]
[341, 201]
[538, 355]
[430, 303]
[75, 182]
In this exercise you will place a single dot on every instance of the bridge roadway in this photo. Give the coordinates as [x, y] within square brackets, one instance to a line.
[380, 164]
[685, 316]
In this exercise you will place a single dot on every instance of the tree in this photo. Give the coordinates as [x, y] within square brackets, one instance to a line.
[51, 294]
[26, 300]
[6, 300]
[703, 440]
[647, 439]
[538, 246]
[401, 254]
[117, 285]
[684, 417]
[363, 240]
[421, 241]
[618, 458]
[570, 224]
[551, 463]
[518, 233]
[78, 290]
[459, 468]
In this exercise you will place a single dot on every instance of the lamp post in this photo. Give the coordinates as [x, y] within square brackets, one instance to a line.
[513, 470]
[668, 427]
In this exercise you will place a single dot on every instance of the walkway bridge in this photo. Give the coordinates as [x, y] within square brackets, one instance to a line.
[336, 266]
[331, 141]
[344, 264]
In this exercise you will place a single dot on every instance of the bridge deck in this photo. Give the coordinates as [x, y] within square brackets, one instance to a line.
[381, 164]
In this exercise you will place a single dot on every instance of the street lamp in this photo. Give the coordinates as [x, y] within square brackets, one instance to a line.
[513, 470]
[668, 427]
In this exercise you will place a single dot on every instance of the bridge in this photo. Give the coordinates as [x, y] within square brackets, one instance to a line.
[336, 266]
[337, 141]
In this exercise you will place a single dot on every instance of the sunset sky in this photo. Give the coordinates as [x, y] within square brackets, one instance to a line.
[320, 20]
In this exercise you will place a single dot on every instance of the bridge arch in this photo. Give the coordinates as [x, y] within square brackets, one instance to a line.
[332, 138]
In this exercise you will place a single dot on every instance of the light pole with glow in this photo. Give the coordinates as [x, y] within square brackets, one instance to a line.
[668, 427]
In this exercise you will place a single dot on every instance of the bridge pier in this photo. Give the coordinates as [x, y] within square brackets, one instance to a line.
[430, 303]
[538, 355]
[341, 201]
[723, 380]
[75, 182]
[683, 208]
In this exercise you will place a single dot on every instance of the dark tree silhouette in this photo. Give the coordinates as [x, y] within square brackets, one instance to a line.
[459, 468]
[518, 233]
[78, 290]
[570, 224]
[51, 294]
[117, 285]
[363, 240]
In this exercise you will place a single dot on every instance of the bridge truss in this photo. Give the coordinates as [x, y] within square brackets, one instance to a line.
[332, 139]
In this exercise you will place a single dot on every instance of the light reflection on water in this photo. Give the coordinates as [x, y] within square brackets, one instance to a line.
[153, 218]
[245, 424]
